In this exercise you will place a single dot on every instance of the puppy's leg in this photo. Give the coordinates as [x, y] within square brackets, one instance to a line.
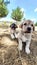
[12, 36]
[27, 50]
[24, 44]
[20, 45]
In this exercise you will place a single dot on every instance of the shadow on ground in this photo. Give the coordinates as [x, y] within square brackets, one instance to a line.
[9, 54]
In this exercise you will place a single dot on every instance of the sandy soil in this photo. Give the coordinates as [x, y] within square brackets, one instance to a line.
[9, 54]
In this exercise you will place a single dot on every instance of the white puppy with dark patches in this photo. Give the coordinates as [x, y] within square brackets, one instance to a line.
[13, 27]
[25, 35]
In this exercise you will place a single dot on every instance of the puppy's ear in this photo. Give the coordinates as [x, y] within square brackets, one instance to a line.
[16, 26]
[10, 26]
[21, 25]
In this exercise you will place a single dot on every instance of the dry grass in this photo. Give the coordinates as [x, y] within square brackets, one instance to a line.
[9, 54]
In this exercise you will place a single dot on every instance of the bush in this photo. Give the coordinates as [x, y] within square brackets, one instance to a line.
[36, 24]
[17, 14]
[10, 22]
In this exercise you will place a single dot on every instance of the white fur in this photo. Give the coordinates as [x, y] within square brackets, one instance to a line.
[24, 39]
[11, 33]
[12, 36]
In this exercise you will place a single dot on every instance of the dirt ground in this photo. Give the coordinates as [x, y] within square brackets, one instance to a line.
[9, 54]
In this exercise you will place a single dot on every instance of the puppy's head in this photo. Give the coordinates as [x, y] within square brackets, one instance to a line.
[13, 26]
[27, 26]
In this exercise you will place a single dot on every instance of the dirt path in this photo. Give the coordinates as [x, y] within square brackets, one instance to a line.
[9, 54]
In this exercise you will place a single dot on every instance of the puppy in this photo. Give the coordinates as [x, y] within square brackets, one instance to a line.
[25, 34]
[13, 27]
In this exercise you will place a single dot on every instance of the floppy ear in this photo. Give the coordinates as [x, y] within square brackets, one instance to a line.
[16, 26]
[21, 25]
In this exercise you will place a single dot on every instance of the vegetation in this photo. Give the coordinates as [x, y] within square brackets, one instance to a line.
[3, 9]
[17, 14]
[11, 22]
[36, 24]
[1, 1]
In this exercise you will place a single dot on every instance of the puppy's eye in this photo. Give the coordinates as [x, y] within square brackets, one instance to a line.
[25, 23]
[31, 24]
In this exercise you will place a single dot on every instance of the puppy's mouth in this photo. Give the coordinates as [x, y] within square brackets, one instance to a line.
[27, 32]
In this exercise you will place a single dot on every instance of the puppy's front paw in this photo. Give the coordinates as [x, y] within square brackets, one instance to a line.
[27, 50]
[20, 48]
[12, 36]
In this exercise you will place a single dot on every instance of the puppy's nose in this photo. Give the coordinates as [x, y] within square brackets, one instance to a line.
[29, 28]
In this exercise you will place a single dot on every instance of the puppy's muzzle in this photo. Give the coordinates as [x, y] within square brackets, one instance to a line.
[29, 29]
[13, 26]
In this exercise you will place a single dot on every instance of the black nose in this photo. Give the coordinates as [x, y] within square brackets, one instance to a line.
[29, 28]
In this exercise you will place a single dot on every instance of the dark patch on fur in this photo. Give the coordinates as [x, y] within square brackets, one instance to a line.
[13, 26]
[24, 44]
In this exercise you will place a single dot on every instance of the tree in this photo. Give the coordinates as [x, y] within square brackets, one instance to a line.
[36, 24]
[1, 1]
[3, 9]
[17, 14]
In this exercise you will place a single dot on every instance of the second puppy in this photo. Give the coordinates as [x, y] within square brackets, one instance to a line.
[13, 27]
